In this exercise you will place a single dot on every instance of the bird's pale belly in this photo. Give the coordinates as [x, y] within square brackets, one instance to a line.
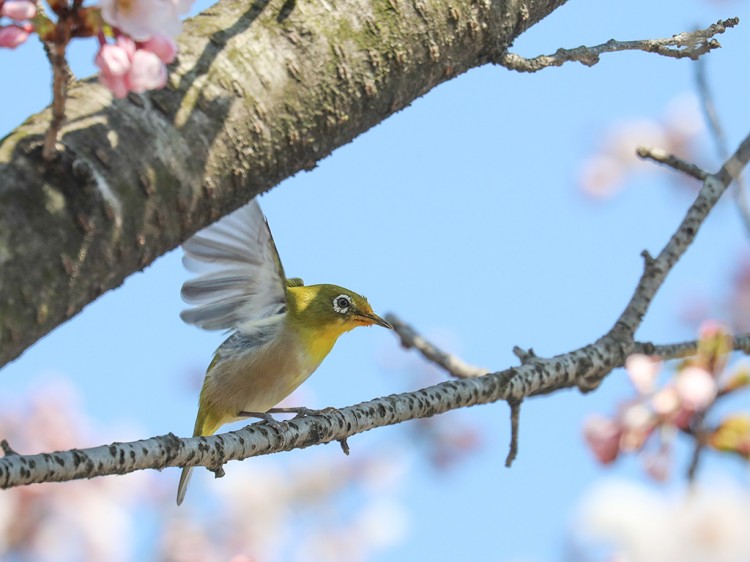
[256, 380]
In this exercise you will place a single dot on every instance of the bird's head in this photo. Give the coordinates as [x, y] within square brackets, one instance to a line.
[330, 307]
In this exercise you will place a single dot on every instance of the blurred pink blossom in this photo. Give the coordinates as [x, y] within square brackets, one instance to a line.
[695, 387]
[126, 68]
[603, 437]
[147, 72]
[665, 402]
[162, 46]
[643, 524]
[143, 19]
[643, 371]
[658, 464]
[11, 36]
[605, 172]
[113, 60]
[18, 10]
[638, 422]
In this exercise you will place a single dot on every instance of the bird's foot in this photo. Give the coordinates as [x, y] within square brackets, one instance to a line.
[265, 417]
[301, 411]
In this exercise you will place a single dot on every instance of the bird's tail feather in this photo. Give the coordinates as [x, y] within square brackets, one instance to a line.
[184, 481]
[204, 425]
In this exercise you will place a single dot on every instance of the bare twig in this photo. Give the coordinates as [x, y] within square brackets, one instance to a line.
[688, 348]
[699, 445]
[515, 418]
[691, 44]
[61, 75]
[663, 157]
[720, 140]
[524, 355]
[344, 445]
[656, 269]
[411, 339]
[7, 449]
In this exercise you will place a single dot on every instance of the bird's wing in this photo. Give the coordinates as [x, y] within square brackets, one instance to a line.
[240, 277]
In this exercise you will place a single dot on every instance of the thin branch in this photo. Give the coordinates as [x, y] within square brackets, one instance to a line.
[690, 44]
[61, 76]
[664, 157]
[452, 364]
[261, 439]
[656, 269]
[699, 445]
[720, 140]
[686, 349]
[515, 419]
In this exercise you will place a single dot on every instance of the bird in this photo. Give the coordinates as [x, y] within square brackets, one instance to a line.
[280, 329]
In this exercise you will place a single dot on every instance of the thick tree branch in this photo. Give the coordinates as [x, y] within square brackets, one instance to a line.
[584, 368]
[253, 99]
[690, 45]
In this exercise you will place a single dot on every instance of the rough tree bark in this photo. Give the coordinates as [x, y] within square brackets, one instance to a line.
[261, 90]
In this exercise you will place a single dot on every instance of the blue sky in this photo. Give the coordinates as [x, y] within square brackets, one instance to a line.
[462, 215]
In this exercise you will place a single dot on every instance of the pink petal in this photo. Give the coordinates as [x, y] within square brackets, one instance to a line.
[695, 387]
[12, 36]
[642, 371]
[183, 6]
[112, 60]
[18, 10]
[143, 19]
[658, 465]
[126, 44]
[147, 72]
[162, 46]
[116, 84]
[603, 437]
[710, 329]
[665, 402]
[638, 422]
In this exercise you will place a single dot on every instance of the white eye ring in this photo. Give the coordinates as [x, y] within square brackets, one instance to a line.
[342, 303]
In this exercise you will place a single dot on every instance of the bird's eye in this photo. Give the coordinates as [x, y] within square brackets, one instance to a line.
[342, 303]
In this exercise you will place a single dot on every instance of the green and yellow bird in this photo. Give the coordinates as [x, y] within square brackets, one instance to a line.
[280, 329]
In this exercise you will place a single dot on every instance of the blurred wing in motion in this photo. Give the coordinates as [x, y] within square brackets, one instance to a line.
[240, 278]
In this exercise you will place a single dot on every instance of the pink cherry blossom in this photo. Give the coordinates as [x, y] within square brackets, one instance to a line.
[113, 60]
[642, 371]
[638, 422]
[658, 464]
[126, 68]
[162, 46]
[143, 19]
[711, 328]
[603, 437]
[11, 36]
[18, 10]
[114, 64]
[695, 387]
[147, 72]
[665, 402]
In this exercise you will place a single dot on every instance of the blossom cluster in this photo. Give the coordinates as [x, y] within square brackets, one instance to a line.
[19, 14]
[144, 43]
[136, 37]
[607, 170]
[650, 422]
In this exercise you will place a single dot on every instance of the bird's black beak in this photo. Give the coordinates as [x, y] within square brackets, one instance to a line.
[373, 318]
